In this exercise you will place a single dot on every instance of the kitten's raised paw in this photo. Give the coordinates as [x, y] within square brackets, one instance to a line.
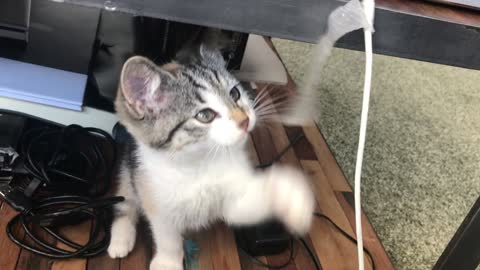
[123, 238]
[163, 263]
[292, 198]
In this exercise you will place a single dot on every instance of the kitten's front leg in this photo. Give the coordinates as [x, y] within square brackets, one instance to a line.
[168, 246]
[291, 198]
[280, 192]
[166, 236]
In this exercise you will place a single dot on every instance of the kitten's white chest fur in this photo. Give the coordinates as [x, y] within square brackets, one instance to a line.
[190, 189]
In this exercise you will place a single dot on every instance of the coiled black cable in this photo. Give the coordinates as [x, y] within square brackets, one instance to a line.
[64, 210]
[65, 172]
[69, 160]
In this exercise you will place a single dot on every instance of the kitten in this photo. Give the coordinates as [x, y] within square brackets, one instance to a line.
[188, 166]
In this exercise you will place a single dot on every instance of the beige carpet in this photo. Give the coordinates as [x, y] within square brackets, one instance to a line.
[421, 167]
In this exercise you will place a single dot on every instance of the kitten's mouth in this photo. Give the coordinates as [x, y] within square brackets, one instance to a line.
[244, 125]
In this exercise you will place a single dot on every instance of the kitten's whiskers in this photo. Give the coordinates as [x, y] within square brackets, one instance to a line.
[261, 95]
[280, 99]
[217, 147]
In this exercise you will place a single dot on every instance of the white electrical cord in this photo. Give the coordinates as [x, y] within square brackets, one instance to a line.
[369, 9]
[344, 19]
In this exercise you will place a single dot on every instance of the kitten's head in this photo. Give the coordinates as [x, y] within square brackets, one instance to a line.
[193, 101]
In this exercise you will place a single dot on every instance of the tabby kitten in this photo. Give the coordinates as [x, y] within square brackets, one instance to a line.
[188, 166]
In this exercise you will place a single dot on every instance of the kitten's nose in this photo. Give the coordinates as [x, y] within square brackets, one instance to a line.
[241, 118]
[244, 124]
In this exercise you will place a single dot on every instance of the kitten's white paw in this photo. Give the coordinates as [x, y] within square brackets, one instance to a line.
[123, 238]
[165, 263]
[292, 199]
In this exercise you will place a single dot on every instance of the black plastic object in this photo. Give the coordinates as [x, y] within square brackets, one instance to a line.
[11, 127]
[463, 250]
[61, 36]
[15, 19]
[396, 33]
[420, 38]
[266, 239]
[303, 20]
[122, 35]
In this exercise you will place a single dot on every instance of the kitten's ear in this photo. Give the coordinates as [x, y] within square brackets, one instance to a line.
[211, 56]
[143, 86]
[205, 48]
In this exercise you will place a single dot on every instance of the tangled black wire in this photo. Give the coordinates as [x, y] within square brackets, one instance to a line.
[71, 160]
[60, 211]
[65, 173]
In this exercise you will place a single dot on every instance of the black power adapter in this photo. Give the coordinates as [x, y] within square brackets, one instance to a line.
[10, 133]
[265, 239]
[270, 237]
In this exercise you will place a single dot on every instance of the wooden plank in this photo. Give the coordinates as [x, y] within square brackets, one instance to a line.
[79, 234]
[334, 250]
[204, 254]
[30, 261]
[277, 135]
[303, 149]
[281, 139]
[326, 247]
[263, 144]
[103, 261]
[329, 165]
[141, 255]
[338, 182]
[223, 248]
[281, 142]
[433, 10]
[251, 152]
[9, 252]
[247, 263]
[303, 260]
[281, 258]
[371, 240]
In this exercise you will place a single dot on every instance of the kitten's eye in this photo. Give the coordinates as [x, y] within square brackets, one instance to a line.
[235, 94]
[206, 116]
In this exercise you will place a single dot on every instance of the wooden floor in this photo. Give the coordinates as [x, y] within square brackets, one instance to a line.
[218, 250]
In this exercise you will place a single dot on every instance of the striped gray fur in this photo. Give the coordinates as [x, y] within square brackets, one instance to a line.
[169, 126]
